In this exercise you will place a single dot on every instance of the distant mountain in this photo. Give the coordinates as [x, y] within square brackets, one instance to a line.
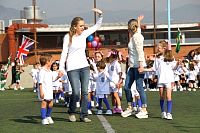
[8, 13]
[184, 14]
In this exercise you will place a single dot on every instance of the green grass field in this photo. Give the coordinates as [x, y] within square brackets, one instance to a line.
[20, 113]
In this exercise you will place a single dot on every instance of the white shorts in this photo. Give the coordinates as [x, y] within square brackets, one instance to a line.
[56, 88]
[135, 93]
[166, 85]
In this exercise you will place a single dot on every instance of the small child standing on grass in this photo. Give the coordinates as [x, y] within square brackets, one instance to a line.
[102, 87]
[45, 89]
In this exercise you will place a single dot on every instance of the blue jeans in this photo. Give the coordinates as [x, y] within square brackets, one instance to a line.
[134, 75]
[79, 78]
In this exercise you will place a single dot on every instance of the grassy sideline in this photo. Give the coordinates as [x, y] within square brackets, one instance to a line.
[20, 113]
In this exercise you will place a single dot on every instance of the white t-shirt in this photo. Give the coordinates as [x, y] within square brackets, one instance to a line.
[45, 78]
[74, 54]
[102, 83]
[114, 69]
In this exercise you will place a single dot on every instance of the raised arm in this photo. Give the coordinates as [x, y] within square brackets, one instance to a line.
[95, 27]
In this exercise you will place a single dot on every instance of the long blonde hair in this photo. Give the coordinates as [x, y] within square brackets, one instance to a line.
[132, 25]
[72, 30]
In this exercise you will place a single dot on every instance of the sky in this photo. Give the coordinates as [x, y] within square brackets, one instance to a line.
[58, 8]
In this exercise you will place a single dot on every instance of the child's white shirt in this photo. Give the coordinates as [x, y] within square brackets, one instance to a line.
[102, 83]
[34, 73]
[114, 69]
[56, 83]
[164, 70]
[45, 77]
[192, 75]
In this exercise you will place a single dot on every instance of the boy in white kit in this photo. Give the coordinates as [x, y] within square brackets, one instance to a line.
[45, 89]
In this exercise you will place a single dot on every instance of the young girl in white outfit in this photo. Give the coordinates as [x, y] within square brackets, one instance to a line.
[164, 67]
[102, 87]
[57, 85]
[115, 73]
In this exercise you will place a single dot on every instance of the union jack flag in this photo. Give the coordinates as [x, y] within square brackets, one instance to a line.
[24, 49]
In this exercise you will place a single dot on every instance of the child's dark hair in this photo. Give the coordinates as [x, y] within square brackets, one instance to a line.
[191, 67]
[101, 64]
[54, 63]
[44, 58]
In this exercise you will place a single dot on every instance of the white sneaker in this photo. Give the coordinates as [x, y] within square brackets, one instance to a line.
[99, 112]
[2, 89]
[169, 116]
[194, 89]
[127, 112]
[163, 115]
[89, 112]
[15, 88]
[189, 89]
[108, 112]
[50, 120]
[142, 115]
[21, 88]
[72, 118]
[45, 122]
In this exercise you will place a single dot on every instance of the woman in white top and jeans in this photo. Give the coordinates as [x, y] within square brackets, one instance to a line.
[77, 67]
[136, 62]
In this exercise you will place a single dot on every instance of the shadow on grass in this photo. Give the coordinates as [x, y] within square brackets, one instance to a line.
[35, 119]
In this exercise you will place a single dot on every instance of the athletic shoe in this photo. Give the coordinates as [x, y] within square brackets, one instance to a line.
[118, 110]
[89, 112]
[21, 88]
[127, 112]
[163, 115]
[114, 110]
[189, 89]
[142, 115]
[15, 88]
[169, 116]
[45, 122]
[194, 89]
[108, 112]
[50, 120]
[99, 112]
[34, 90]
[72, 118]
[2, 89]
[85, 119]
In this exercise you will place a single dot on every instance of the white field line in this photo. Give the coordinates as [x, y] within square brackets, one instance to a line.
[105, 124]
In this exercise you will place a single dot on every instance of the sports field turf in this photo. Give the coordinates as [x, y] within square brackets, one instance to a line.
[20, 113]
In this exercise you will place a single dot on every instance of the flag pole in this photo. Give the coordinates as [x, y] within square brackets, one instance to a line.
[30, 39]
[169, 24]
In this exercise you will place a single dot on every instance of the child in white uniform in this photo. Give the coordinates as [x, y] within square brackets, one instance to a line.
[45, 79]
[115, 73]
[34, 74]
[102, 87]
[66, 88]
[57, 85]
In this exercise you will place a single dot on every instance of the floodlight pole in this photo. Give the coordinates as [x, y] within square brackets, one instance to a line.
[95, 15]
[34, 29]
[154, 27]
